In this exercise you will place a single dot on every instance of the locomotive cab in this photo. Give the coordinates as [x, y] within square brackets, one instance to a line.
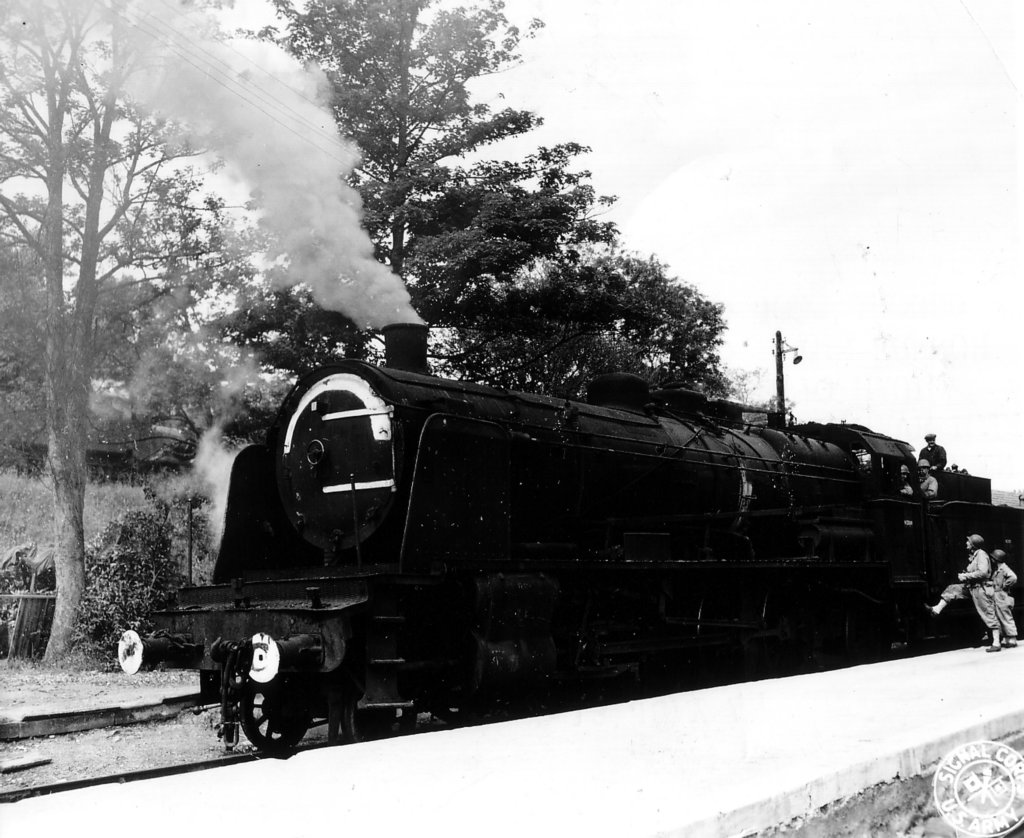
[878, 457]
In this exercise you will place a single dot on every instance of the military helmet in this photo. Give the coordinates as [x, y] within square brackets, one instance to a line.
[977, 542]
[999, 555]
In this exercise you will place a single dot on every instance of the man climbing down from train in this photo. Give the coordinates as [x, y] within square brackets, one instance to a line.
[1003, 578]
[976, 582]
[929, 485]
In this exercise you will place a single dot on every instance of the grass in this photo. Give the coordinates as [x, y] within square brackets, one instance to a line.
[26, 508]
[26, 516]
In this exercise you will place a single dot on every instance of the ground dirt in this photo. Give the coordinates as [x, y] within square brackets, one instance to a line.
[902, 808]
[33, 689]
[25, 687]
[106, 751]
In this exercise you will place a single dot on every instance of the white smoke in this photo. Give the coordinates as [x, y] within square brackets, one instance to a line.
[213, 465]
[215, 455]
[266, 116]
[210, 385]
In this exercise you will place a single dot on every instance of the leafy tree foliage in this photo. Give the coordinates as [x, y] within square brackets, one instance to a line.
[400, 81]
[509, 260]
[559, 325]
[495, 220]
[458, 231]
[21, 353]
[288, 331]
[86, 189]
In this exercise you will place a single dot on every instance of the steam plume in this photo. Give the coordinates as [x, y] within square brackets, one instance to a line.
[264, 114]
[223, 379]
[213, 465]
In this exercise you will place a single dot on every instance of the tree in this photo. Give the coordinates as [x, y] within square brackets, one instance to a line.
[400, 91]
[288, 330]
[509, 260]
[495, 220]
[559, 325]
[21, 354]
[400, 72]
[87, 188]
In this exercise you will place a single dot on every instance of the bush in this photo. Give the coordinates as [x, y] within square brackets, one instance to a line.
[130, 571]
[177, 493]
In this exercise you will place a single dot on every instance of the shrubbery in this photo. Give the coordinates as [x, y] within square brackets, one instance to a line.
[129, 572]
[134, 567]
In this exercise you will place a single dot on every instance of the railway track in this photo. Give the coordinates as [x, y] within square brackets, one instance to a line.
[132, 776]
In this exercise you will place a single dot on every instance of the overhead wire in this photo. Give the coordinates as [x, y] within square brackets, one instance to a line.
[266, 95]
[234, 87]
[256, 66]
[187, 50]
[250, 94]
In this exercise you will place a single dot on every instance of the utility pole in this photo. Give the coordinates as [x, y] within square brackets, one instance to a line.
[780, 379]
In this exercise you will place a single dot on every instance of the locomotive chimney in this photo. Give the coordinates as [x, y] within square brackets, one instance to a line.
[405, 347]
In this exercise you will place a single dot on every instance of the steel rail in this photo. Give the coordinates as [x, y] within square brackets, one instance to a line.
[15, 795]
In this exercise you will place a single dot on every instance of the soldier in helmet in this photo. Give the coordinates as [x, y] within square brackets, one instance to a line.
[976, 583]
[932, 452]
[904, 486]
[929, 485]
[1003, 578]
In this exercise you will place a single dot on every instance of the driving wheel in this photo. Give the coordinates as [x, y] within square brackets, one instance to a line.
[273, 720]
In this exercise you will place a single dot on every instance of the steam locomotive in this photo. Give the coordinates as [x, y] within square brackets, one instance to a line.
[405, 543]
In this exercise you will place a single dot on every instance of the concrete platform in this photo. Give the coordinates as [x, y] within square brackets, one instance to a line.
[86, 705]
[727, 761]
[47, 720]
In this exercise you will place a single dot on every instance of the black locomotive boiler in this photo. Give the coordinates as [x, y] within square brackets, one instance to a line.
[406, 543]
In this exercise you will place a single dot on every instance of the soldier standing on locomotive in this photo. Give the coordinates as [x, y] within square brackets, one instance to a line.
[929, 485]
[976, 580]
[1003, 578]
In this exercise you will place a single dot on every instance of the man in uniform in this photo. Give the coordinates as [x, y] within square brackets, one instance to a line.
[934, 454]
[929, 485]
[975, 582]
[1003, 578]
[904, 482]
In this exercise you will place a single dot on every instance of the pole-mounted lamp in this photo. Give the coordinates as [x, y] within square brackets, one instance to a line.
[781, 350]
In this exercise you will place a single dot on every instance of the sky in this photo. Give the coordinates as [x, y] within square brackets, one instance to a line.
[843, 172]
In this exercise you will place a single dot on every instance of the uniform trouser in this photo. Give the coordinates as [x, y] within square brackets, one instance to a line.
[981, 595]
[1003, 603]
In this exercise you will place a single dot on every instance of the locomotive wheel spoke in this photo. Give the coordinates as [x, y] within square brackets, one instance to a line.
[270, 721]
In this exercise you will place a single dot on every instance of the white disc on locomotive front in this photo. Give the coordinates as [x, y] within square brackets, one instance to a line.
[266, 659]
[129, 652]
